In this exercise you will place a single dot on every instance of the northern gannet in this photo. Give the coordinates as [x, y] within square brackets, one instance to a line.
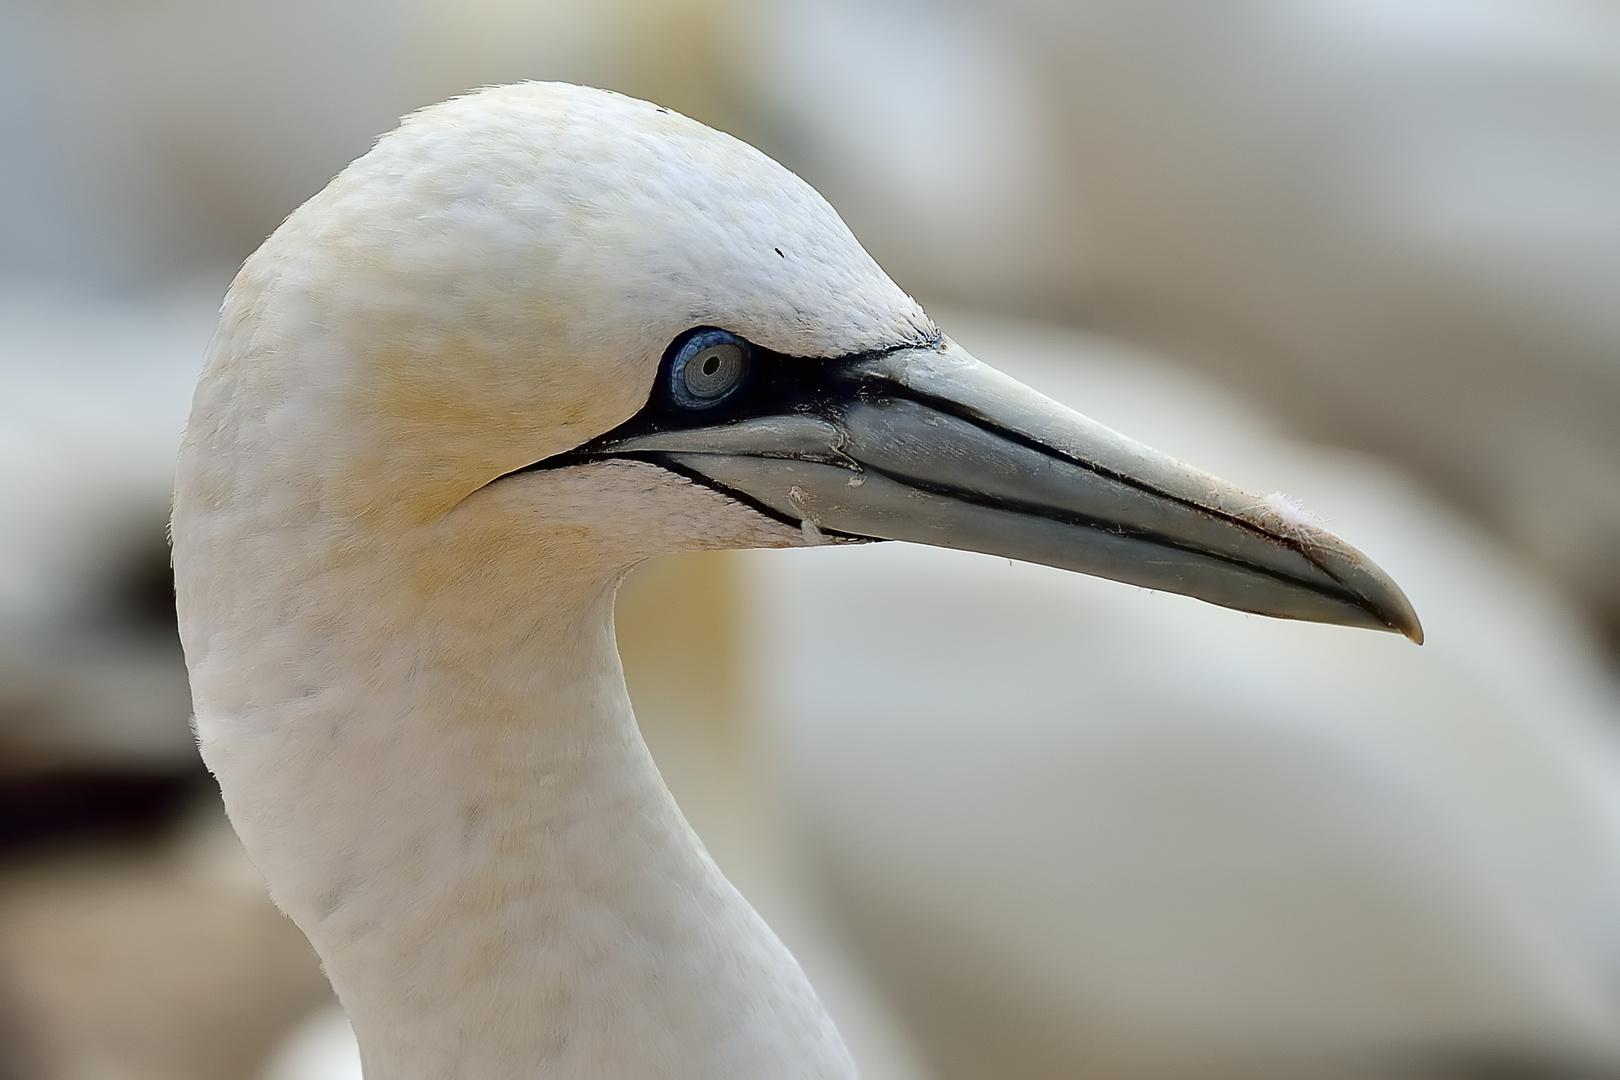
[535, 335]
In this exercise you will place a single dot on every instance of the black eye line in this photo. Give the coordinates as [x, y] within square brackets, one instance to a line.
[777, 384]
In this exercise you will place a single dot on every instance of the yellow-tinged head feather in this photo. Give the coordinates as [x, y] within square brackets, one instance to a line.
[496, 281]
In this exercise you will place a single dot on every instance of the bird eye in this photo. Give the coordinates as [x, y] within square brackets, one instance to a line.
[708, 367]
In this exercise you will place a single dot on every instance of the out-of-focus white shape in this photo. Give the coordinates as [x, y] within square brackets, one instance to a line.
[1097, 832]
[96, 393]
[320, 1048]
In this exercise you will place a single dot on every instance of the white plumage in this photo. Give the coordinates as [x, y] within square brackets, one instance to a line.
[444, 786]
[441, 417]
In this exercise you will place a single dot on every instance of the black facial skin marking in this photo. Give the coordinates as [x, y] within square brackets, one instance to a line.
[776, 385]
[782, 385]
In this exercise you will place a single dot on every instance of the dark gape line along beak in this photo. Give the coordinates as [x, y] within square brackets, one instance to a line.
[929, 445]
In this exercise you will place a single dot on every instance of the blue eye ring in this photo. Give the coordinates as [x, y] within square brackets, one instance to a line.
[708, 368]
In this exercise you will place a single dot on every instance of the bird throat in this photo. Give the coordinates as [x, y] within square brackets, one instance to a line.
[453, 801]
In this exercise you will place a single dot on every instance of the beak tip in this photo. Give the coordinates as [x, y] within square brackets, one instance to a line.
[1413, 629]
[1376, 592]
[1392, 606]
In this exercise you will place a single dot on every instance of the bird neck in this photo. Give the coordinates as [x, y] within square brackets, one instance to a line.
[449, 794]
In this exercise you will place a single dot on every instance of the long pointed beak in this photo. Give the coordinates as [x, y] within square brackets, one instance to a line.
[932, 446]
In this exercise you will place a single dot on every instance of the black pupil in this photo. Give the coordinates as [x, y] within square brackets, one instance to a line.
[711, 365]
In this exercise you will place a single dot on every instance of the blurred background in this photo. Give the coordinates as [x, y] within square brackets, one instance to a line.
[1015, 823]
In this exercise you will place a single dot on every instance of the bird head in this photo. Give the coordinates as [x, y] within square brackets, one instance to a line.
[548, 304]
